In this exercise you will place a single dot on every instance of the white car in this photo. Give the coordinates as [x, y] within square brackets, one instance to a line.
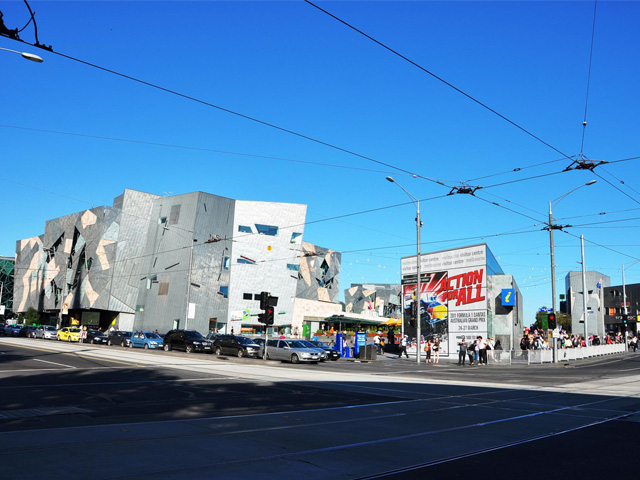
[293, 351]
[46, 332]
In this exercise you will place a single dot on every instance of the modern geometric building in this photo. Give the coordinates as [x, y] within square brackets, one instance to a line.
[464, 294]
[379, 300]
[596, 282]
[6, 284]
[191, 261]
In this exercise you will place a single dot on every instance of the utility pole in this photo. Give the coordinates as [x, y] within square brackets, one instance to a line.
[584, 292]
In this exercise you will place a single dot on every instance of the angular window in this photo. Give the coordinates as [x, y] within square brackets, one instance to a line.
[296, 238]
[225, 263]
[244, 229]
[174, 216]
[294, 267]
[224, 291]
[162, 220]
[247, 296]
[246, 260]
[151, 279]
[271, 230]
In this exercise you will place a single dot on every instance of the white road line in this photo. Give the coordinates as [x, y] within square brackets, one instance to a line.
[52, 363]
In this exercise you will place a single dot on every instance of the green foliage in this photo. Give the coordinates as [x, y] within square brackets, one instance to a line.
[32, 317]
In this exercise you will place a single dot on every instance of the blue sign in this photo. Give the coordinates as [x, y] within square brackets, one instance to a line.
[361, 341]
[508, 297]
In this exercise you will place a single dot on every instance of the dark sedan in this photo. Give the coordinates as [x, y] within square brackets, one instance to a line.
[96, 337]
[119, 338]
[28, 331]
[235, 345]
[332, 353]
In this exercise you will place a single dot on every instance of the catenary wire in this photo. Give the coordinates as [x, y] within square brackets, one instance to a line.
[440, 79]
[240, 115]
[615, 186]
[586, 102]
[191, 148]
[513, 170]
[619, 180]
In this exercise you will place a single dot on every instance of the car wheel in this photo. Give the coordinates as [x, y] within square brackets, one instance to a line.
[189, 349]
[167, 347]
[146, 346]
[218, 351]
[240, 353]
[295, 358]
[130, 344]
[266, 356]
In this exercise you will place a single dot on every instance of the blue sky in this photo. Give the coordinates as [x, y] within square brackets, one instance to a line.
[291, 65]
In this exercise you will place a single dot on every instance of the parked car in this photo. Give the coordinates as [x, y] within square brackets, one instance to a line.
[68, 334]
[187, 340]
[146, 340]
[13, 330]
[2, 330]
[235, 345]
[46, 332]
[119, 338]
[96, 337]
[293, 351]
[28, 331]
[212, 336]
[332, 353]
[309, 344]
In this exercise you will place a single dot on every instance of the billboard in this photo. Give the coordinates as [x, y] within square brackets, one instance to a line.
[452, 300]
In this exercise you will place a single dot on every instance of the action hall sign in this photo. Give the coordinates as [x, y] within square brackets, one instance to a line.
[453, 288]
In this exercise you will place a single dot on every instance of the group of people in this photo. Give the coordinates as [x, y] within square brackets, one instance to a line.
[534, 340]
[476, 349]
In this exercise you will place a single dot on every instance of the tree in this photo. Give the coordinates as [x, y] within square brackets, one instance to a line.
[32, 317]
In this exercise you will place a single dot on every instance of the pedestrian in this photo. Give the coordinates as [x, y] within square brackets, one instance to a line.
[476, 352]
[436, 350]
[462, 351]
[471, 348]
[482, 351]
[403, 346]
[376, 342]
[498, 350]
[427, 349]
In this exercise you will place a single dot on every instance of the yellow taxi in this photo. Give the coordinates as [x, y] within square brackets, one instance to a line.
[69, 334]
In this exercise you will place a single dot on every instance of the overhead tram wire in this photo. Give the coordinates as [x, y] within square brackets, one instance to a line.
[600, 245]
[600, 213]
[586, 102]
[440, 79]
[614, 186]
[241, 115]
[620, 181]
[197, 149]
[514, 170]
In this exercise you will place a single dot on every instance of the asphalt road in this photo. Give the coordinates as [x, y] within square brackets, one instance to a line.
[142, 414]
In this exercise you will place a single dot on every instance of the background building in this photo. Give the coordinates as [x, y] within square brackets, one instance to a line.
[596, 282]
[6, 284]
[614, 308]
[377, 300]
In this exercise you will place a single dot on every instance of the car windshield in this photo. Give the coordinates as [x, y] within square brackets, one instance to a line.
[244, 340]
[97, 334]
[308, 344]
[51, 329]
[296, 344]
[320, 344]
[125, 334]
[153, 336]
[74, 330]
[193, 335]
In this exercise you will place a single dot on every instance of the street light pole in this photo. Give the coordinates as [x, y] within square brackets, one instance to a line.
[584, 291]
[552, 227]
[28, 56]
[418, 284]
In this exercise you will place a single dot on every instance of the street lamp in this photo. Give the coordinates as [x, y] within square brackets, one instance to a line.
[418, 286]
[28, 56]
[553, 227]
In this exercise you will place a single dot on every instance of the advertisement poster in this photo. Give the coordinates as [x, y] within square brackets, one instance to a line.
[452, 300]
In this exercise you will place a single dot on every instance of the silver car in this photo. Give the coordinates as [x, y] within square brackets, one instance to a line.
[47, 332]
[293, 351]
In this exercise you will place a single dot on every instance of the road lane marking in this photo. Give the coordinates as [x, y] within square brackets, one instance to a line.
[52, 363]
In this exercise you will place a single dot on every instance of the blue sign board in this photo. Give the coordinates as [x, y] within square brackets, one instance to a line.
[508, 297]
[361, 341]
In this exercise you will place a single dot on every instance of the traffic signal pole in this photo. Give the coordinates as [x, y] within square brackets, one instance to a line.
[553, 285]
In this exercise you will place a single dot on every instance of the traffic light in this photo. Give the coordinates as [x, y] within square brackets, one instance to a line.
[264, 300]
[551, 320]
[624, 320]
[268, 316]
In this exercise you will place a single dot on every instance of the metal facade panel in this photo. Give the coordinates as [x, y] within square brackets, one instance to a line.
[319, 274]
[271, 254]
